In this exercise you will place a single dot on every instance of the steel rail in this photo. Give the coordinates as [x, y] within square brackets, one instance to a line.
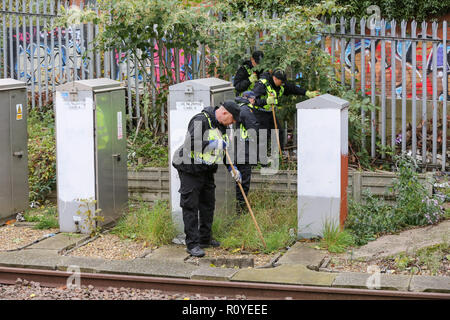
[52, 278]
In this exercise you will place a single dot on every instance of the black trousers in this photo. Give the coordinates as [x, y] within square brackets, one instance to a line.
[197, 200]
[246, 172]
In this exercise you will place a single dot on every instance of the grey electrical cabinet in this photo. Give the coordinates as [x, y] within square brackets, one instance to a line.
[91, 154]
[186, 99]
[13, 148]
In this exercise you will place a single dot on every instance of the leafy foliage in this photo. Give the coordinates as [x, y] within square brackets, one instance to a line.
[389, 9]
[41, 153]
[413, 207]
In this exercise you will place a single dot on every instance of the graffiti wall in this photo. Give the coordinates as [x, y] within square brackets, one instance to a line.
[60, 54]
[394, 49]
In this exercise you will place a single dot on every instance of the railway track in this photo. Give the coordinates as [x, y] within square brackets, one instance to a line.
[51, 278]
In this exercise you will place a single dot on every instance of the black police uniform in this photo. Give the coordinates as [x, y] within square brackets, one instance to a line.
[244, 159]
[263, 111]
[241, 80]
[196, 172]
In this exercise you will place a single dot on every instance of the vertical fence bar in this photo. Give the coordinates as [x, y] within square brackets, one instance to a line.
[424, 93]
[333, 44]
[393, 86]
[435, 106]
[32, 47]
[90, 49]
[352, 43]
[445, 92]
[177, 65]
[363, 78]
[52, 44]
[24, 40]
[11, 56]
[60, 48]
[4, 39]
[403, 34]
[38, 47]
[136, 86]
[130, 105]
[373, 70]
[82, 45]
[323, 35]
[17, 41]
[414, 89]
[342, 55]
[67, 55]
[45, 31]
[383, 88]
[98, 71]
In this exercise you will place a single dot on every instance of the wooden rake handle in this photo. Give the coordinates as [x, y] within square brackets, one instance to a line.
[246, 200]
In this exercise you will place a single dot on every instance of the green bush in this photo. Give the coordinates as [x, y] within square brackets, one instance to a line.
[152, 148]
[413, 207]
[41, 154]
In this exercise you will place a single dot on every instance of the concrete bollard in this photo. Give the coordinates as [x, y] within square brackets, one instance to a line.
[322, 164]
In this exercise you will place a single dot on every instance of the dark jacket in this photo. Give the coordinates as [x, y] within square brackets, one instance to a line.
[260, 89]
[249, 124]
[182, 160]
[241, 82]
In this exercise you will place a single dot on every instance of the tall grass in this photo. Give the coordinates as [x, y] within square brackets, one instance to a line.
[152, 224]
[276, 215]
[335, 240]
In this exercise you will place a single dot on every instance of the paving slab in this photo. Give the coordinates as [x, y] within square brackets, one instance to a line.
[33, 259]
[84, 264]
[407, 241]
[216, 274]
[147, 267]
[172, 253]
[61, 241]
[361, 281]
[303, 253]
[288, 274]
[430, 284]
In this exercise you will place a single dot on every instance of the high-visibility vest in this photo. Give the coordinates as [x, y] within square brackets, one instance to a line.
[272, 92]
[212, 155]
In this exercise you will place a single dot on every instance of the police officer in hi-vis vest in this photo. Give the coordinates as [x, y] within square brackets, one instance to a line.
[268, 91]
[196, 162]
[247, 76]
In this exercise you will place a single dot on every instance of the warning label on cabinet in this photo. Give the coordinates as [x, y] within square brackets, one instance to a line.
[19, 112]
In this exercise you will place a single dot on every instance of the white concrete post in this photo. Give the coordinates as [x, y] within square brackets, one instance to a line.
[322, 164]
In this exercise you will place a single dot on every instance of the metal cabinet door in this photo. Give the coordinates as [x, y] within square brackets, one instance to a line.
[5, 156]
[19, 150]
[112, 184]
[104, 165]
[119, 152]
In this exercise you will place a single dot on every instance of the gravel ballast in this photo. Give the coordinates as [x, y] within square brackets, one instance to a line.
[28, 290]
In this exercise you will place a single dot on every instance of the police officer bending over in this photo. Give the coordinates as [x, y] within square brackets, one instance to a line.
[268, 90]
[196, 162]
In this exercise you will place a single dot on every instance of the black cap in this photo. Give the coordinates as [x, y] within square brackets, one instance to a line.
[232, 108]
[257, 56]
[280, 74]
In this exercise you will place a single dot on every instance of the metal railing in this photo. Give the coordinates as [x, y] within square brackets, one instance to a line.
[392, 65]
[402, 68]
